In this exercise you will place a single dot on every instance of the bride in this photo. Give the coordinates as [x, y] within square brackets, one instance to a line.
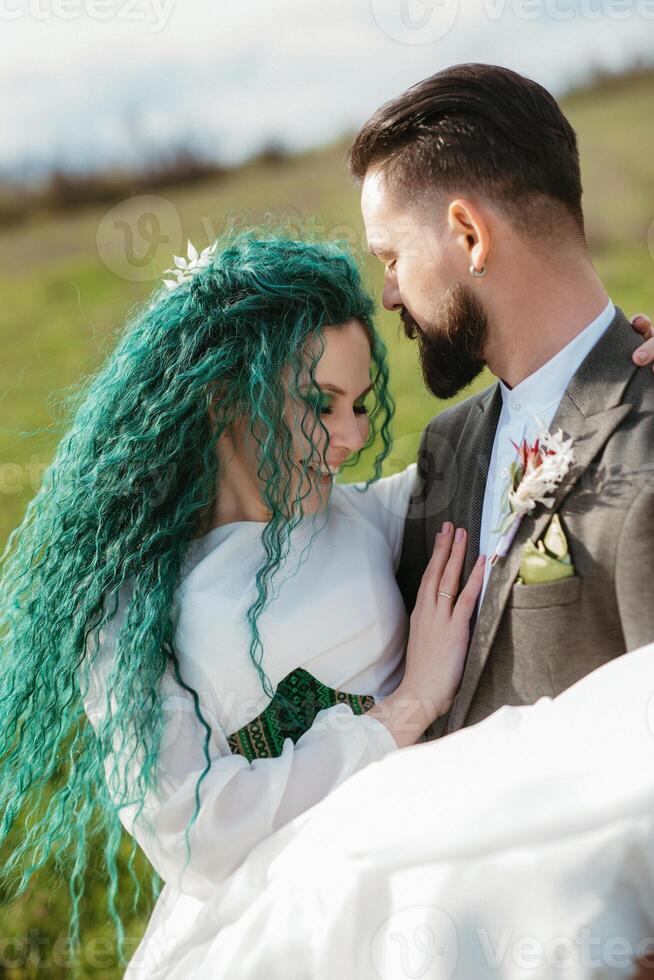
[203, 637]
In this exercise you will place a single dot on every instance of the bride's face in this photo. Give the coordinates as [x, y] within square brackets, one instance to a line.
[343, 374]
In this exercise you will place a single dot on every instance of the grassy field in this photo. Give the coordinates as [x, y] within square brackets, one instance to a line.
[66, 291]
[66, 287]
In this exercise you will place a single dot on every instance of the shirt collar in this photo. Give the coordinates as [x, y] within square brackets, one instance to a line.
[547, 385]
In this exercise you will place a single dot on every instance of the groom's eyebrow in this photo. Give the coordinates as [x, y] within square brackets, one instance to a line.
[381, 250]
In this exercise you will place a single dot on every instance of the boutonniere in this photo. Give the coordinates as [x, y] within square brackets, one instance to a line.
[536, 473]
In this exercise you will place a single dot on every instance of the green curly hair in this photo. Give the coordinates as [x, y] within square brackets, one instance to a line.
[133, 481]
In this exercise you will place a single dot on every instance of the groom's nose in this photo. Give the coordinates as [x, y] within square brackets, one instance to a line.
[391, 299]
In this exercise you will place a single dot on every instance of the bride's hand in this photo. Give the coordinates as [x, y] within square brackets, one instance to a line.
[440, 622]
[438, 642]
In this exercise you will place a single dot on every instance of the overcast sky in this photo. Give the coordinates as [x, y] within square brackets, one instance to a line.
[90, 82]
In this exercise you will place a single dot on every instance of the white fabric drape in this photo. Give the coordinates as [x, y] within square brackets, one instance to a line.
[520, 847]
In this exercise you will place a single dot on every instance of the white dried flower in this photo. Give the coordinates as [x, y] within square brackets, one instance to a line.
[537, 473]
[556, 458]
[187, 267]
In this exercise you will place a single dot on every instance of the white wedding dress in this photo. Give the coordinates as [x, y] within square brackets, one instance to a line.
[519, 847]
[334, 635]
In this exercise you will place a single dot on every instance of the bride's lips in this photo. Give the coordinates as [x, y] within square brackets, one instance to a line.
[325, 475]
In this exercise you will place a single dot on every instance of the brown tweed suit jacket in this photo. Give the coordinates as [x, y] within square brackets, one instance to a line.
[534, 640]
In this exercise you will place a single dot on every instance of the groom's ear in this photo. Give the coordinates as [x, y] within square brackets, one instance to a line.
[644, 354]
[471, 231]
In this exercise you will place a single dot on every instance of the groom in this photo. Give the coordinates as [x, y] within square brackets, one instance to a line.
[471, 197]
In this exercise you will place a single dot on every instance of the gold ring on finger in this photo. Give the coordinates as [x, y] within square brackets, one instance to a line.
[447, 594]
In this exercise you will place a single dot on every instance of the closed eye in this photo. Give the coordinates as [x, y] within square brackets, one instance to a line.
[358, 410]
[326, 395]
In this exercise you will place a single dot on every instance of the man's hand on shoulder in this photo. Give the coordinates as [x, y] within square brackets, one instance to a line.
[644, 355]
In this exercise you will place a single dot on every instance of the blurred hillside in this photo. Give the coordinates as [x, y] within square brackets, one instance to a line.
[67, 281]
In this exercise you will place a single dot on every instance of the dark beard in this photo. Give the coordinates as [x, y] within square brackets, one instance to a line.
[451, 345]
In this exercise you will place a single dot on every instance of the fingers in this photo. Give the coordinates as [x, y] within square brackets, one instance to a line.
[466, 602]
[449, 581]
[439, 557]
[642, 324]
[645, 353]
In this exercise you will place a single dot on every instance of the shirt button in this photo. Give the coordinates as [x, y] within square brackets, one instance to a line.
[516, 406]
[505, 471]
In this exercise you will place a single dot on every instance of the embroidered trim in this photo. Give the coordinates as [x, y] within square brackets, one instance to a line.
[264, 736]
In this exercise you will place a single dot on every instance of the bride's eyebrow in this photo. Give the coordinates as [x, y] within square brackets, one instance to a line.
[339, 391]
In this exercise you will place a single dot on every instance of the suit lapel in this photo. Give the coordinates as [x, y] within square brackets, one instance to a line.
[588, 413]
[473, 460]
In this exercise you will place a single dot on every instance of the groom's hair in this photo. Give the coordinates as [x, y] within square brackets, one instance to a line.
[482, 128]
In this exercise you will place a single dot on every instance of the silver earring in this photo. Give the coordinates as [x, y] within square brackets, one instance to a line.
[476, 274]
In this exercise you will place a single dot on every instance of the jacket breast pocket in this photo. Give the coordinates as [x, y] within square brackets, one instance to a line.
[546, 650]
[546, 594]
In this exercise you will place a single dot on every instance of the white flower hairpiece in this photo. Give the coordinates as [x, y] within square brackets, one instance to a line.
[187, 267]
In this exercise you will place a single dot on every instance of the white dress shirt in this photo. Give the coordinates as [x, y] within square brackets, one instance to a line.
[538, 395]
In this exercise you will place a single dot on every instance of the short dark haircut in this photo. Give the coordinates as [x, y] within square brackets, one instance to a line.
[478, 127]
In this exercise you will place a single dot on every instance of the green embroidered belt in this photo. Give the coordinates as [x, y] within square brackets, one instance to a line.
[264, 736]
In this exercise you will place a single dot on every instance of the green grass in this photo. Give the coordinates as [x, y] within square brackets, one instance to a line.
[62, 307]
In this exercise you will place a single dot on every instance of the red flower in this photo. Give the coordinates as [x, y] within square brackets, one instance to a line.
[530, 456]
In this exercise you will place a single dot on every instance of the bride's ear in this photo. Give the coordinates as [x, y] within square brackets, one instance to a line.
[217, 392]
[212, 412]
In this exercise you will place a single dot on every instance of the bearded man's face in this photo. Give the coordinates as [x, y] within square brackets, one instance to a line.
[450, 345]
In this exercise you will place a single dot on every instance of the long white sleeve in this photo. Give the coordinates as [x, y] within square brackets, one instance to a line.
[241, 803]
[385, 504]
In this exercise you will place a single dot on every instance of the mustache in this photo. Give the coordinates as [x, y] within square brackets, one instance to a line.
[469, 340]
[412, 328]
[451, 341]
